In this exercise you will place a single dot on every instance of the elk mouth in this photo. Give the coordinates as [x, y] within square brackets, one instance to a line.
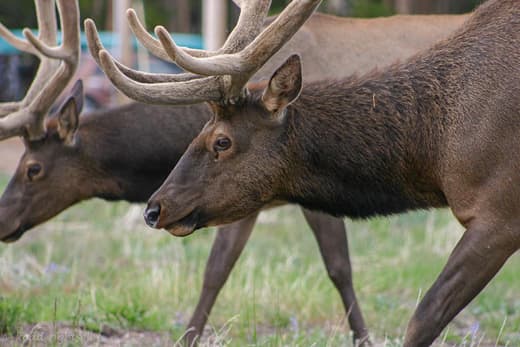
[14, 236]
[186, 225]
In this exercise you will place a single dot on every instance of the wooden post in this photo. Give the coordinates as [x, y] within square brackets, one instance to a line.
[143, 61]
[403, 6]
[123, 50]
[338, 7]
[214, 23]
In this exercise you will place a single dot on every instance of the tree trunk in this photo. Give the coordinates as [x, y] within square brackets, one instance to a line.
[403, 6]
[180, 19]
[338, 7]
[430, 6]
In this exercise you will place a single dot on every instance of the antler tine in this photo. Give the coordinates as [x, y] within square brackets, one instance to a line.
[239, 66]
[251, 58]
[15, 124]
[154, 47]
[48, 32]
[204, 66]
[176, 93]
[46, 18]
[95, 46]
[152, 44]
[14, 41]
[279, 32]
[250, 23]
[147, 40]
[9, 107]
[69, 49]
[192, 87]
[68, 52]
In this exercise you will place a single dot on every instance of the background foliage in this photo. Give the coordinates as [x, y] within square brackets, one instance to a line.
[184, 15]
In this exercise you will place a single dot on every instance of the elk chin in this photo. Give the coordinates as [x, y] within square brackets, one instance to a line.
[186, 225]
[181, 230]
[13, 224]
[14, 235]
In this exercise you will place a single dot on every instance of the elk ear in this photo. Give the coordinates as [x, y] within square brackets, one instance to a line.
[68, 115]
[284, 86]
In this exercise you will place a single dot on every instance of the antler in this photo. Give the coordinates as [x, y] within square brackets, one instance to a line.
[57, 66]
[95, 47]
[249, 25]
[228, 69]
[48, 32]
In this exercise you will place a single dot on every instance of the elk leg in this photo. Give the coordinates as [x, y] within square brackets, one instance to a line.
[332, 240]
[227, 247]
[478, 256]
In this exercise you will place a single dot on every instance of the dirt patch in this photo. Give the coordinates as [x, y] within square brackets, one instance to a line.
[66, 334]
[62, 334]
[10, 152]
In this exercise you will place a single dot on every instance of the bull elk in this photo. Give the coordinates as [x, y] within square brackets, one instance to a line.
[96, 151]
[440, 129]
[75, 159]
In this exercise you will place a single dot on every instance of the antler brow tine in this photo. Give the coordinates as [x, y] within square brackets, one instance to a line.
[228, 69]
[95, 46]
[176, 93]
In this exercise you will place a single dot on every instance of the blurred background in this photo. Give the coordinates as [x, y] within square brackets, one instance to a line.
[186, 15]
[202, 24]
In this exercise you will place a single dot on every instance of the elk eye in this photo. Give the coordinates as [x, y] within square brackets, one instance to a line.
[33, 170]
[221, 144]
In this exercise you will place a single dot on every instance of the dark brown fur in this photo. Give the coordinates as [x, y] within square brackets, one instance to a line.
[439, 130]
[126, 153]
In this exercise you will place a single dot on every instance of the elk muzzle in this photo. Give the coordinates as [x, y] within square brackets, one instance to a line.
[11, 228]
[156, 217]
[13, 236]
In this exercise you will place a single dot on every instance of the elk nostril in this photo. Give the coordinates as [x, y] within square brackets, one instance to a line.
[152, 213]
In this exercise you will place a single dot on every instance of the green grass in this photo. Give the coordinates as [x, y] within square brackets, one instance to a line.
[96, 265]
[370, 8]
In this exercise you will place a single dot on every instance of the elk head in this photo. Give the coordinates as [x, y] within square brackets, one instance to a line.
[232, 168]
[224, 175]
[27, 191]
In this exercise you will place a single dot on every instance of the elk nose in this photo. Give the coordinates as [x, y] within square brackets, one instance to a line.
[152, 214]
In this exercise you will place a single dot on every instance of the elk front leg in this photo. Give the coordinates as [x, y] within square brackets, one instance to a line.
[478, 256]
[227, 247]
[332, 240]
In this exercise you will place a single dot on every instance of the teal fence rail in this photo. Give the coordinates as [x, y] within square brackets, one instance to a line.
[110, 40]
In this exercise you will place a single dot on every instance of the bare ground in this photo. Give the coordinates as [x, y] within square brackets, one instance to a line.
[66, 334]
[61, 334]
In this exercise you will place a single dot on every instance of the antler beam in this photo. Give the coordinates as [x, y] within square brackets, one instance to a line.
[228, 69]
[95, 47]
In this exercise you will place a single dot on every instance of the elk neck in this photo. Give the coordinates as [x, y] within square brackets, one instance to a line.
[384, 143]
[362, 142]
[132, 149]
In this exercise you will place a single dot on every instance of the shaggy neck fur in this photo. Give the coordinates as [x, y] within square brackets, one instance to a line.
[377, 145]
